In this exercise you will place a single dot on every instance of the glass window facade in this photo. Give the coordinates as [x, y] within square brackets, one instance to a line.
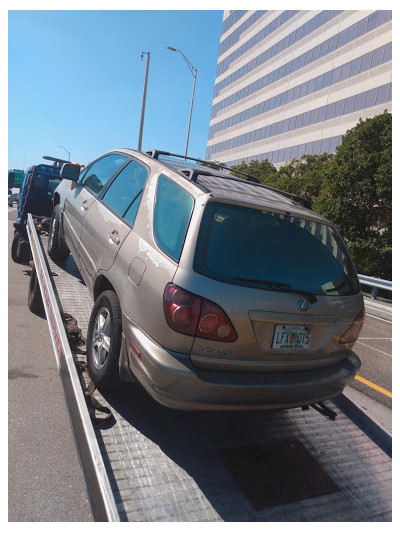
[354, 32]
[276, 49]
[367, 61]
[235, 36]
[292, 152]
[346, 106]
[231, 19]
[240, 107]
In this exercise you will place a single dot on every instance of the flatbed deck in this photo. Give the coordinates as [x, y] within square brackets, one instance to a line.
[167, 465]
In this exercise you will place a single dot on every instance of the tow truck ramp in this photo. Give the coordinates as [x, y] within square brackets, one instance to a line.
[150, 463]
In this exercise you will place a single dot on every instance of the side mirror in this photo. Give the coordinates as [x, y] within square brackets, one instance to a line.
[70, 171]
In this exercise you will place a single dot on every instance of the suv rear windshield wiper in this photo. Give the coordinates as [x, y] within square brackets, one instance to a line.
[279, 286]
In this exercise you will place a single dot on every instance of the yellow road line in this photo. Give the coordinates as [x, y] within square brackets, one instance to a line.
[373, 386]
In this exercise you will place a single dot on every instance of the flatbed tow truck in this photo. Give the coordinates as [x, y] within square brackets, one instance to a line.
[149, 463]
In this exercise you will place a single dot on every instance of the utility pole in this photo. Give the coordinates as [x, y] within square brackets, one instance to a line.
[144, 100]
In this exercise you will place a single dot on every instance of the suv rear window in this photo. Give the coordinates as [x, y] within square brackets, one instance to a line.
[266, 250]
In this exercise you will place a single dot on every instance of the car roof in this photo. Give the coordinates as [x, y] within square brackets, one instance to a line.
[227, 186]
[223, 185]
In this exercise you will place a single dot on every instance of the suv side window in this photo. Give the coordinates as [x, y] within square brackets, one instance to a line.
[130, 215]
[125, 189]
[100, 172]
[83, 172]
[172, 214]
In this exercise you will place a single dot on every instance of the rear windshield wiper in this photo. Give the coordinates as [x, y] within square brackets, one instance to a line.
[279, 286]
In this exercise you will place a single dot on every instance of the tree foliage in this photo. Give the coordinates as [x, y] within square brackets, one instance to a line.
[305, 176]
[262, 170]
[357, 194]
[353, 188]
[216, 165]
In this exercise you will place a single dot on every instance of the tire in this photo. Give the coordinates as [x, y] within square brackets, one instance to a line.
[20, 249]
[14, 249]
[104, 340]
[35, 301]
[56, 246]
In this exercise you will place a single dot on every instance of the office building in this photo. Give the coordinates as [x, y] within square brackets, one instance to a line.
[290, 83]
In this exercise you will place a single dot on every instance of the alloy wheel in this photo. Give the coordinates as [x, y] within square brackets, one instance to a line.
[101, 338]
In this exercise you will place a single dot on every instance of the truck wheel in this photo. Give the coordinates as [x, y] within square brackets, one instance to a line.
[20, 249]
[14, 248]
[56, 247]
[35, 301]
[104, 340]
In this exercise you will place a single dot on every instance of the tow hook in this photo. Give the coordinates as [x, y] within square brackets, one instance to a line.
[321, 408]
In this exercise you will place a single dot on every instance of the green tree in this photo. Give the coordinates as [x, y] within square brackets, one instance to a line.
[353, 188]
[263, 170]
[357, 194]
[216, 165]
[305, 176]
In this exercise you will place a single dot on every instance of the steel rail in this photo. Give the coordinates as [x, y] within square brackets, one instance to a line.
[375, 283]
[98, 487]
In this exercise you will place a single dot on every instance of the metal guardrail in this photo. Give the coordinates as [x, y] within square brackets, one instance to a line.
[375, 283]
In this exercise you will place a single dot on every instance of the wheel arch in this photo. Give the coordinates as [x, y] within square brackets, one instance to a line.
[101, 284]
[56, 199]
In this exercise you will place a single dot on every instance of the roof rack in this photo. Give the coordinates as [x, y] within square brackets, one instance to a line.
[155, 153]
[193, 173]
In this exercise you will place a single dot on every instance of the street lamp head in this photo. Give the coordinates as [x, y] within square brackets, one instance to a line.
[173, 49]
[69, 153]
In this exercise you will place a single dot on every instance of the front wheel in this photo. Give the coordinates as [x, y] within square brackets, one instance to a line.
[104, 339]
[56, 247]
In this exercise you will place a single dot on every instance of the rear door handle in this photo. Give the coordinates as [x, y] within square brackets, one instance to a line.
[113, 235]
[84, 207]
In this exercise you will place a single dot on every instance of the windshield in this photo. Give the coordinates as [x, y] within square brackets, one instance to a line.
[258, 248]
[46, 182]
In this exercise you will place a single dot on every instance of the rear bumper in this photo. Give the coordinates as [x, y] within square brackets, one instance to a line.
[171, 379]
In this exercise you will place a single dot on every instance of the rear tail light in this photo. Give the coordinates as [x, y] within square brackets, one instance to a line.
[353, 332]
[193, 315]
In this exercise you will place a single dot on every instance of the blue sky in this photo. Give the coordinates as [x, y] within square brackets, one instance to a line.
[75, 79]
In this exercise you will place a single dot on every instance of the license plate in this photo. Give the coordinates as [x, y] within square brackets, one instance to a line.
[288, 337]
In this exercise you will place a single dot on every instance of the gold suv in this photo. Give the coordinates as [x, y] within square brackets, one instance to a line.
[214, 292]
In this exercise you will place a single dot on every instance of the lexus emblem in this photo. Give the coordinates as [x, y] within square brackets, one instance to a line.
[303, 305]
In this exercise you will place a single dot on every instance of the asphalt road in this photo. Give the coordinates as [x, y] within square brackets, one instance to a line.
[374, 348]
[45, 480]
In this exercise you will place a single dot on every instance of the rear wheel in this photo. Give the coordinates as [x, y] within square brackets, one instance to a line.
[104, 339]
[56, 246]
[14, 249]
[35, 301]
[20, 249]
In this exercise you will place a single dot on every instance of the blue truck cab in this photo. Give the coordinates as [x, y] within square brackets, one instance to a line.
[37, 191]
[36, 197]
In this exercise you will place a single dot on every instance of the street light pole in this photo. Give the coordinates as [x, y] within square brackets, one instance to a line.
[191, 109]
[143, 101]
[69, 153]
[193, 70]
